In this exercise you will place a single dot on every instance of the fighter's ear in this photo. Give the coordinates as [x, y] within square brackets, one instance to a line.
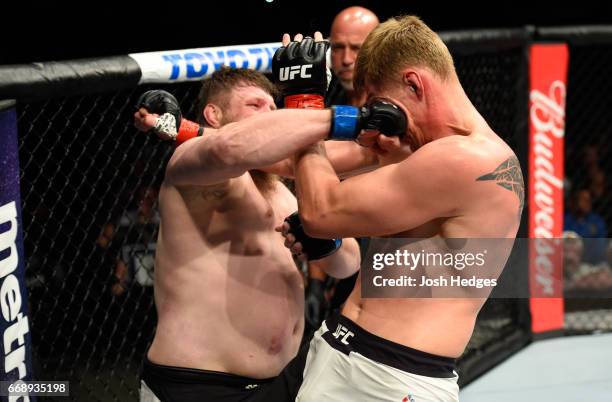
[413, 82]
[212, 115]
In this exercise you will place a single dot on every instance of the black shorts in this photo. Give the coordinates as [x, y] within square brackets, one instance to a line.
[175, 384]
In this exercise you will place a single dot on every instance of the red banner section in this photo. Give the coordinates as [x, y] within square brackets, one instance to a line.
[548, 77]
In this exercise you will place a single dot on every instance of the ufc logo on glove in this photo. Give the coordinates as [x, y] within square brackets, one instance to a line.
[301, 72]
[289, 73]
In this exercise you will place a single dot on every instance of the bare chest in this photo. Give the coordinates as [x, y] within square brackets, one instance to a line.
[244, 216]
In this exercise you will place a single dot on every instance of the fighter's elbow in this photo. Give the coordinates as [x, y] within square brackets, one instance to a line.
[174, 170]
[320, 214]
[314, 224]
[201, 164]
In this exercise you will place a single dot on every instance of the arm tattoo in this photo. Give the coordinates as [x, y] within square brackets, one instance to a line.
[508, 175]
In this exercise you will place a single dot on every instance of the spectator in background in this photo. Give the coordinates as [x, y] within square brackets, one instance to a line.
[573, 266]
[600, 193]
[596, 180]
[597, 185]
[348, 32]
[581, 275]
[137, 233]
[590, 158]
[134, 238]
[587, 224]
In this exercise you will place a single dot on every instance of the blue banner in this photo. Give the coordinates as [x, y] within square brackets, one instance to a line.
[195, 64]
[15, 345]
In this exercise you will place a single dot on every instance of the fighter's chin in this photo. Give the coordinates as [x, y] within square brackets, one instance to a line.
[347, 84]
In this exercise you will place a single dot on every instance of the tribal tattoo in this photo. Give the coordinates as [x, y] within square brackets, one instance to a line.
[508, 175]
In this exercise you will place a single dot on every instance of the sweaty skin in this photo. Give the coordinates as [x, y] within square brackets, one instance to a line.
[228, 294]
[473, 209]
[449, 187]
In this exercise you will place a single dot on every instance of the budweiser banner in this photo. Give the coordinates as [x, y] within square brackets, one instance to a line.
[548, 79]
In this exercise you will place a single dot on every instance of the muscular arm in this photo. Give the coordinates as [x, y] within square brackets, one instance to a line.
[343, 263]
[260, 140]
[346, 157]
[390, 200]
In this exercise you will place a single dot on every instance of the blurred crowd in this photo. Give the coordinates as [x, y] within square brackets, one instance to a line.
[587, 221]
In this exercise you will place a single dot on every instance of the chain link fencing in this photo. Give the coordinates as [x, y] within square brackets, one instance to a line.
[588, 180]
[89, 183]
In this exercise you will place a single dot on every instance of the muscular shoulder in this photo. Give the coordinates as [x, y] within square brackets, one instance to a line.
[462, 166]
[466, 157]
[447, 161]
[490, 170]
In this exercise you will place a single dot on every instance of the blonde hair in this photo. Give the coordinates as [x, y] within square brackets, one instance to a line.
[397, 43]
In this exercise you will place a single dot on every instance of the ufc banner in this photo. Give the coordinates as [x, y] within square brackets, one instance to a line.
[547, 92]
[16, 350]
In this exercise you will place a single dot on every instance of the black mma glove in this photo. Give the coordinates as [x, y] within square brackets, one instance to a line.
[348, 121]
[170, 124]
[314, 248]
[300, 70]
